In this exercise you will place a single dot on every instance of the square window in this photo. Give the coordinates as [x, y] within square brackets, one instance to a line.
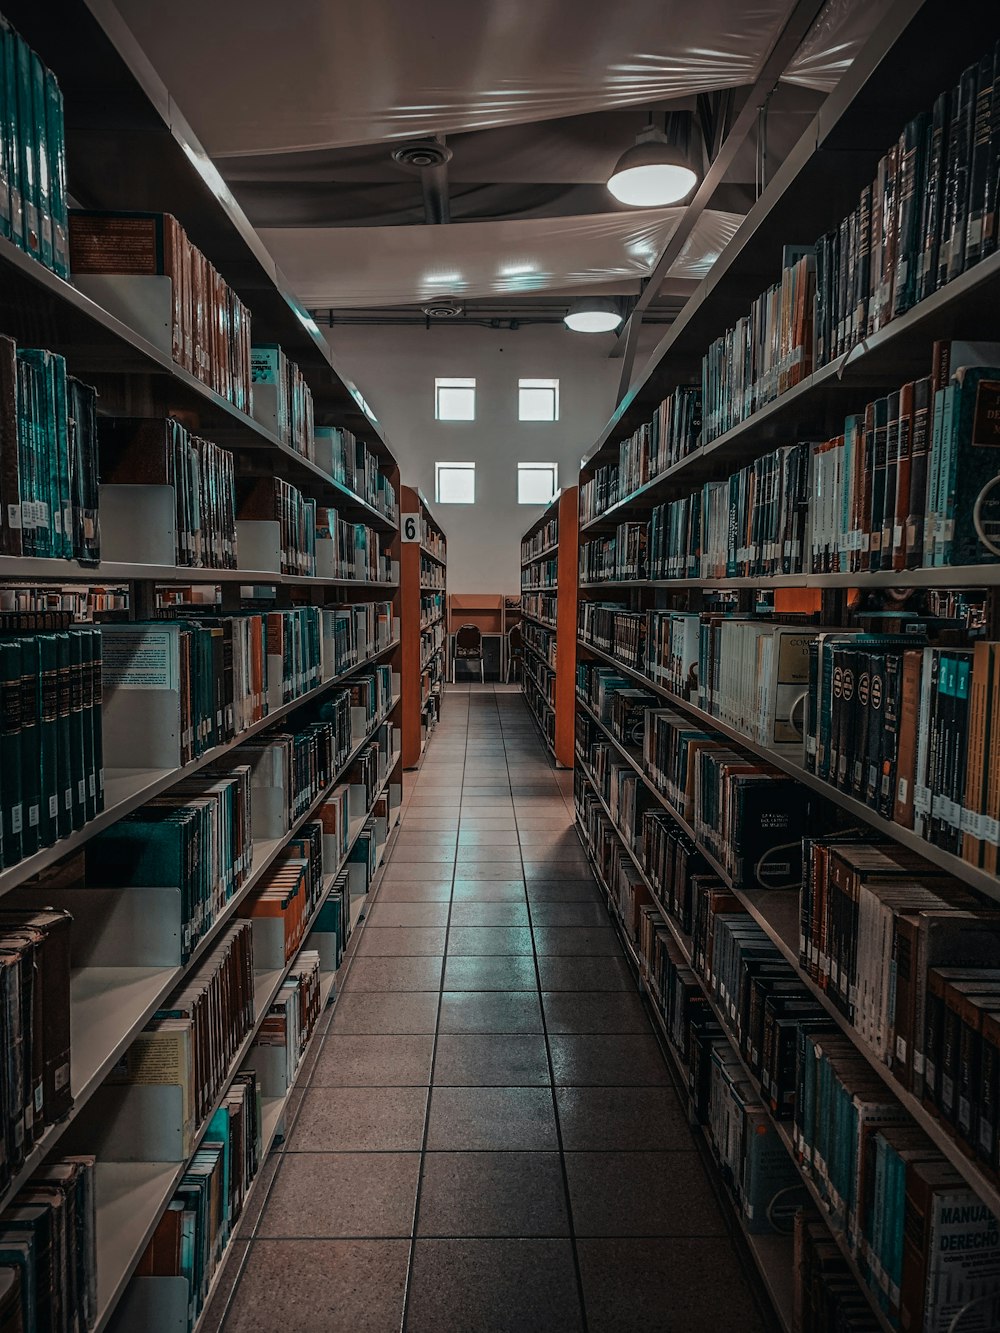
[454, 400]
[538, 400]
[537, 483]
[455, 483]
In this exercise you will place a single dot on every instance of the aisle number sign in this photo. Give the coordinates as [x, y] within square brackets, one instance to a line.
[411, 527]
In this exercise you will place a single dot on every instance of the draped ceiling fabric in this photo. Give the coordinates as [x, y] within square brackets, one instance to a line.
[359, 267]
[273, 78]
[300, 104]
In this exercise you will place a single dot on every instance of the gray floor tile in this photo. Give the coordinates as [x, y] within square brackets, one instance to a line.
[499, 1059]
[489, 891]
[613, 1061]
[400, 941]
[500, 1286]
[490, 972]
[393, 974]
[468, 870]
[337, 1286]
[564, 891]
[404, 856]
[408, 914]
[371, 1061]
[329, 1195]
[487, 837]
[400, 1013]
[584, 974]
[576, 941]
[603, 1011]
[492, 1194]
[626, 1119]
[641, 1194]
[628, 1284]
[490, 940]
[394, 890]
[490, 1011]
[568, 914]
[490, 1119]
[475, 913]
[360, 1120]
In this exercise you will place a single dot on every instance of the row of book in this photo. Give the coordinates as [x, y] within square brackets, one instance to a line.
[541, 540]
[162, 452]
[766, 353]
[190, 1238]
[48, 1250]
[909, 730]
[911, 482]
[432, 574]
[51, 737]
[210, 325]
[191, 1041]
[283, 905]
[672, 434]
[542, 642]
[353, 465]
[431, 608]
[432, 642]
[289, 1023]
[929, 215]
[354, 632]
[542, 607]
[278, 379]
[431, 540]
[355, 553]
[48, 457]
[271, 499]
[35, 1089]
[33, 195]
[870, 1164]
[753, 1161]
[540, 574]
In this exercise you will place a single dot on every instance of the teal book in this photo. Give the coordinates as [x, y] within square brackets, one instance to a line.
[78, 726]
[12, 814]
[8, 131]
[55, 139]
[31, 238]
[48, 739]
[64, 736]
[31, 730]
[972, 533]
[43, 192]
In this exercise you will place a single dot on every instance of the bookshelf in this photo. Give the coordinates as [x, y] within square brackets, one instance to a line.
[423, 599]
[548, 617]
[126, 960]
[876, 98]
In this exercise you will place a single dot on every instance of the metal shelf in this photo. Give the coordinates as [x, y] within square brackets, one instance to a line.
[532, 559]
[127, 789]
[28, 569]
[791, 764]
[951, 576]
[776, 911]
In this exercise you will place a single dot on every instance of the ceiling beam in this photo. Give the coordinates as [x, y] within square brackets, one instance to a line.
[787, 42]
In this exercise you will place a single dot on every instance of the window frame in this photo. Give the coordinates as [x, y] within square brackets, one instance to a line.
[526, 468]
[457, 383]
[455, 466]
[534, 385]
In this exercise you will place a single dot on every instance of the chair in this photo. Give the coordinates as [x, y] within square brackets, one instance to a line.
[515, 651]
[469, 647]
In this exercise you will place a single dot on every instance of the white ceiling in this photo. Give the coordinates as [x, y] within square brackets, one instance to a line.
[272, 78]
[360, 267]
[301, 103]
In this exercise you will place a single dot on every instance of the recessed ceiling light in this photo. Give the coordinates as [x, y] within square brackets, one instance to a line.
[442, 279]
[593, 314]
[516, 270]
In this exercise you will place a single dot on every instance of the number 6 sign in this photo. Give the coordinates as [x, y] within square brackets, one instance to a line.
[411, 527]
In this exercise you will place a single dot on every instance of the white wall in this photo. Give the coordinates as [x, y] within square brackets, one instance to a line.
[395, 368]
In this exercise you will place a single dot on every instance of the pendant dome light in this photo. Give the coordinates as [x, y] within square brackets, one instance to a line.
[593, 314]
[656, 170]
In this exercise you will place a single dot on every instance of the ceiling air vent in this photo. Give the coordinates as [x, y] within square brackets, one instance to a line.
[444, 307]
[421, 153]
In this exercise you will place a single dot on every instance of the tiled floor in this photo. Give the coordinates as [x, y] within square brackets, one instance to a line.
[488, 1140]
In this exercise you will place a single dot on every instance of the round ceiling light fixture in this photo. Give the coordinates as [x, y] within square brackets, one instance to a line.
[421, 154]
[593, 314]
[652, 173]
